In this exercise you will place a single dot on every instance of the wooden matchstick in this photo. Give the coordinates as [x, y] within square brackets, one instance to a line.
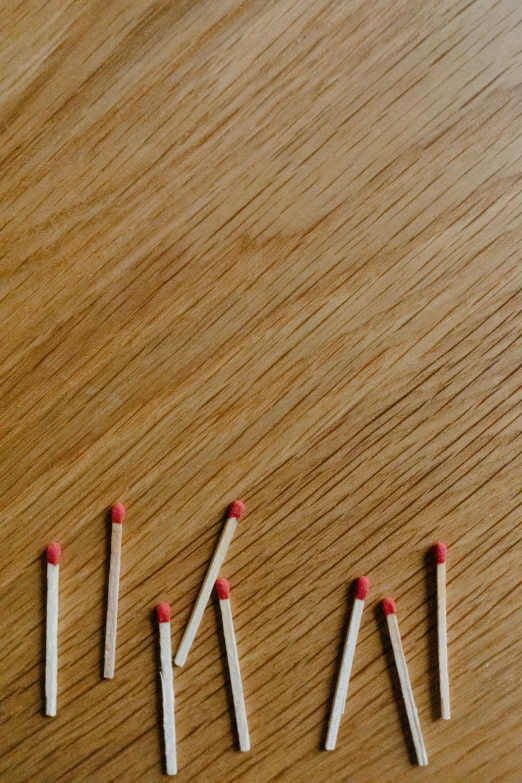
[343, 679]
[54, 553]
[167, 688]
[236, 510]
[117, 516]
[441, 553]
[223, 591]
[404, 678]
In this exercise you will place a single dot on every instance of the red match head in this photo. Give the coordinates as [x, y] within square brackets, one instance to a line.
[163, 612]
[118, 513]
[222, 589]
[237, 509]
[389, 606]
[362, 588]
[54, 553]
[441, 552]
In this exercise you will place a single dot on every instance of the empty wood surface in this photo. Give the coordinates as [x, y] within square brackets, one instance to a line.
[267, 250]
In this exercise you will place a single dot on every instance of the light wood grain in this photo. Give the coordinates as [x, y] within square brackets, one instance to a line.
[268, 250]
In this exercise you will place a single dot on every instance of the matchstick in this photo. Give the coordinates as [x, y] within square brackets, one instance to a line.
[54, 553]
[343, 679]
[441, 553]
[236, 510]
[117, 516]
[167, 688]
[223, 591]
[404, 678]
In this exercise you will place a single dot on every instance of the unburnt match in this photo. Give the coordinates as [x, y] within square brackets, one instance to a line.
[167, 688]
[54, 554]
[223, 591]
[235, 512]
[404, 678]
[117, 518]
[341, 690]
[441, 554]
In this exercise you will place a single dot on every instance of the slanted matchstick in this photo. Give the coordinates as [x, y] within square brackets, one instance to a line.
[54, 553]
[402, 670]
[343, 679]
[167, 688]
[117, 517]
[441, 553]
[223, 591]
[236, 510]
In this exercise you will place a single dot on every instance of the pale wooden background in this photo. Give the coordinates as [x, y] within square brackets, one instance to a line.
[267, 250]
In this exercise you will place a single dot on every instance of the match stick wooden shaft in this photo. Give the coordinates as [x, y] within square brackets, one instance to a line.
[343, 679]
[352, 652]
[235, 675]
[167, 689]
[51, 636]
[407, 693]
[112, 600]
[443, 642]
[205, 591]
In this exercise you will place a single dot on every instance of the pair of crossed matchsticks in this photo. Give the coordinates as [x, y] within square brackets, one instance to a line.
[163, 614]
[341, 690]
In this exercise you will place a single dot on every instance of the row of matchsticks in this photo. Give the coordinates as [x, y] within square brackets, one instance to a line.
[222, 587]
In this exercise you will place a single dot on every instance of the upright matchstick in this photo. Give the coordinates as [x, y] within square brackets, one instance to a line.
[404, 677]
[236, 510]
[167, 688]
[223, 591]
[117, 516]
[54, 553]
[441, 553]
[341, 690]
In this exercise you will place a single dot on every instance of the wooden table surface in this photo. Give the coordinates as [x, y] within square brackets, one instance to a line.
[267, 250]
